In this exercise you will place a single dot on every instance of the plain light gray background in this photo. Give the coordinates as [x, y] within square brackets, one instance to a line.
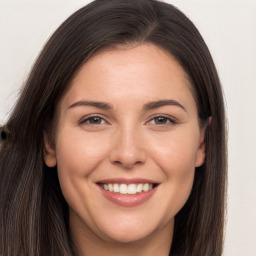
[229, 29]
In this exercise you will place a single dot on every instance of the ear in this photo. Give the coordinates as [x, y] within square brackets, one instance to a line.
[200, 156]
[49, 152]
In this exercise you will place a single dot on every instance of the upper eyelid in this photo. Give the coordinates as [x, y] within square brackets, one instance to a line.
[162, 115]
[93, 115]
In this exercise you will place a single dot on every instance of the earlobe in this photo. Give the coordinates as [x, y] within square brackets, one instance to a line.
[49, 152]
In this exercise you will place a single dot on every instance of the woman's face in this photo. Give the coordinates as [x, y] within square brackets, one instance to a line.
[128, 123]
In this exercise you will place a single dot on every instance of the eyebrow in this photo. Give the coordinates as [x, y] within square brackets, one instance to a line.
[148, 106]
[161, 103]
[97, 104]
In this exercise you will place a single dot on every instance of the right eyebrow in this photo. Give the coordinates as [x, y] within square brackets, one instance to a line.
[97, 104]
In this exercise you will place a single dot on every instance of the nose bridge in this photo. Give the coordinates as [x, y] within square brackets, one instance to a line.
[128, 148]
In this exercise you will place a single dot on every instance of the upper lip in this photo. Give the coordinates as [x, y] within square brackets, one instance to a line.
[126, 181]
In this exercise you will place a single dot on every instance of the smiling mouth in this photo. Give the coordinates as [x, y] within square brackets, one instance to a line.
[127, 189]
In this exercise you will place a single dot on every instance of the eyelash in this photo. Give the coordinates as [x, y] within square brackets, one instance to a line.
[90, 118]
[168, 120]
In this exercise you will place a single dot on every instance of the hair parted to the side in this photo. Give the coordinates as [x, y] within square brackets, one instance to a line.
[33, 212]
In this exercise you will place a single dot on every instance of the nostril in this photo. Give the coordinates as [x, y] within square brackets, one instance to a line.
[125, 165]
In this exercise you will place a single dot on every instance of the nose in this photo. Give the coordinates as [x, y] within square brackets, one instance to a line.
[128, 149]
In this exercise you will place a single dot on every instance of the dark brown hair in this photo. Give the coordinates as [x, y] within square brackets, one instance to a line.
[33, 212]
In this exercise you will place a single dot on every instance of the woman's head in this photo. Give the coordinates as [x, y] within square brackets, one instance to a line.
[128, 120]
[104, 31]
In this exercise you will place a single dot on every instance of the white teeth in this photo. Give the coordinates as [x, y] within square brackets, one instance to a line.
[110, 187]
[123, 189]
[130, 189]
[139, 188]
[116, 188]
[146, 187]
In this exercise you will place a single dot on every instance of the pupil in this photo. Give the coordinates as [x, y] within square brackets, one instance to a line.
[95, 120]
[161, 120]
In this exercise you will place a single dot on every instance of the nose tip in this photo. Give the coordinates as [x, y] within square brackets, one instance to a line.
[128, 151]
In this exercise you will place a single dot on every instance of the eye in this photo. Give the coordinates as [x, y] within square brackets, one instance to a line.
[93, 120]
[162, 120]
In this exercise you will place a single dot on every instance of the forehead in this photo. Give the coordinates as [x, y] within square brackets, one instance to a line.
[144, 71]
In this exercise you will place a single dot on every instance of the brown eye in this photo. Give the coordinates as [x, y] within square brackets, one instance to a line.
[93, 120]
[161, 120]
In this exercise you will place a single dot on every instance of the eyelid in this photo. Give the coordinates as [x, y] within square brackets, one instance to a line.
[86, 118]
[171, 119]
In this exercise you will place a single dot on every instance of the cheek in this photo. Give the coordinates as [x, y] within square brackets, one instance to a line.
[176, 153]
[77, 156]
[176, 156]
[79, 153]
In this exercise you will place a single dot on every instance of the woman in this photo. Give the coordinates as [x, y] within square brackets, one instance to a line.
[117, 143]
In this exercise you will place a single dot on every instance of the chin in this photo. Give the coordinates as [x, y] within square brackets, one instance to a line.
[132, 231]
[127, 237]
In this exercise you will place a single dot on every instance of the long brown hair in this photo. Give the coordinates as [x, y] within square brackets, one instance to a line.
[33, 212]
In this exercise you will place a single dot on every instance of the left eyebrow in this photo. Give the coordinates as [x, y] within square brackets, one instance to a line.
[161, 103]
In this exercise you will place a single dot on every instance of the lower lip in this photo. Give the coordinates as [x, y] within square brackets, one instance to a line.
[128, 200]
